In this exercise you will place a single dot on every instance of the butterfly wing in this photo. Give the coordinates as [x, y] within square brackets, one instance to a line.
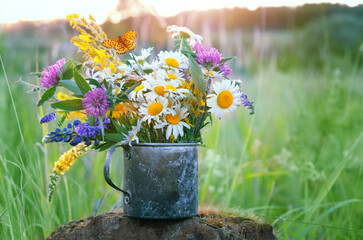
[130, 45]
[110, 43]
[130, 35]
[121, 48]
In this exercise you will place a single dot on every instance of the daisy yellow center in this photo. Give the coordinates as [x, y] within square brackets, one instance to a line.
[172, 119]
[225, 99]
[184, 34]
[209, 73]
[171, 76]
[139, 88]
[155, 108]
[160, 90]
[170, 87]
[171, 62]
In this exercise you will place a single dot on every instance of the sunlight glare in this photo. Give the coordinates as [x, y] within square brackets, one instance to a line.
[18, 10]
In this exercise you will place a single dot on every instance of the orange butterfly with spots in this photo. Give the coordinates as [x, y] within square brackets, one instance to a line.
[123, 44]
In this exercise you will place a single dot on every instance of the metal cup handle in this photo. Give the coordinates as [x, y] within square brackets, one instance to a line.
[106, 173]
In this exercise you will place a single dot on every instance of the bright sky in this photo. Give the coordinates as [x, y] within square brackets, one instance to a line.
[16, 10]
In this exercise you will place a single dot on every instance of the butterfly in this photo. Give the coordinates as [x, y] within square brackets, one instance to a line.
[123, 44]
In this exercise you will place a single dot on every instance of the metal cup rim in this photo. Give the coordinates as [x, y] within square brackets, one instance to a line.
[162, 145]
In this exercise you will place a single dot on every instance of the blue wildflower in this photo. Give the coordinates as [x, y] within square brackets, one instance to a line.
[76, 139]
[77, 122]
[105, 120]
[85, 130]
[47, 118]
[247, 103]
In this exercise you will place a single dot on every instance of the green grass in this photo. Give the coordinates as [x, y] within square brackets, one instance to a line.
[297, 163]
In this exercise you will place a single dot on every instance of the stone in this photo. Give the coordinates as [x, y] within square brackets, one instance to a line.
[205, 226]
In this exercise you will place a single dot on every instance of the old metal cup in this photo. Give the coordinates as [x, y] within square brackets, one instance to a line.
[160, 180]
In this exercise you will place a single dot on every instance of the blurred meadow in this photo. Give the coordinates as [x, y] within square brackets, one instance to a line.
[297, 163]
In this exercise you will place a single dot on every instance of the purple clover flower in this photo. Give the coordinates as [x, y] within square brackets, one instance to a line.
[95, 102]
[85, 130]
[225, 68]
[47, 118]
[206, 56]
[51, 77]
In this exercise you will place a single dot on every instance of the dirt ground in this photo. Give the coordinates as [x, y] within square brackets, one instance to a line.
[205, 226]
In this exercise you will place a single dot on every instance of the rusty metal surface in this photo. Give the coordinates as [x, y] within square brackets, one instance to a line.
[162, 180]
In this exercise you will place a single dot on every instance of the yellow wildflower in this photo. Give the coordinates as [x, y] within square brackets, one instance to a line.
[188, 122]
[91, 17]
[113, 68]
[63, 96]
[68, 158]
[200, 112]
[62, 165]
[73, 19]
[202, 103]
[101, 57]
[121, 109]
[83, 45]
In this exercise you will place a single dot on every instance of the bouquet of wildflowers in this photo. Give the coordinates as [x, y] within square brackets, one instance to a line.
[113, 97]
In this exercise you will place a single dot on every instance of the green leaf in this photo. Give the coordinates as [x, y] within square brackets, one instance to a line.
[127, 62]
[68, 69]
[118, 127]
[130, 89]
[111, 104]
[71, 86]
[104, 146]
[122, 98]
[138, 65]
[109, 90]
[114, 137]
[187, 53]
[94, 82]
[226, 59]
[197, 75]
[69, 105]
[81, 83]
[185, 45]
[37, 74]
[47, 95]
[60, 73]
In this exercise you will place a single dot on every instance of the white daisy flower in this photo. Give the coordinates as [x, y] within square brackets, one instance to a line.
[172, 60]
[153, 109]
[105, 74]
[145, 53]
[149, 68]
[175, 76]
[132, 135]
[191, 37]
[125, 70]
[226, 98]
[213, 74]
[171, 75]
[138, 93]
[174, 122]
[161, 88]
